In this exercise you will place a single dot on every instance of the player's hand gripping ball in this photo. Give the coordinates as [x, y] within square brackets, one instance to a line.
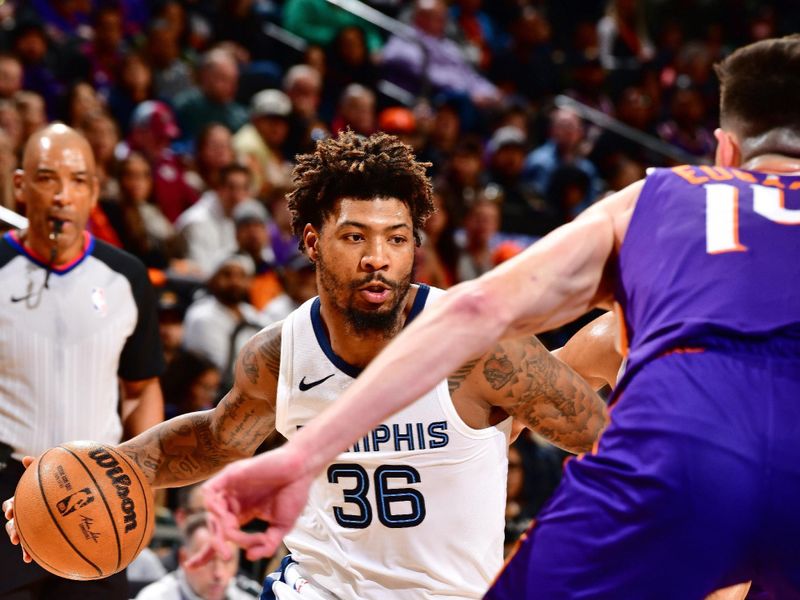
[83, 510]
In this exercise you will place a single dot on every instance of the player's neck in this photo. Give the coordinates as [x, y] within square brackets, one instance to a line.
[774, 163]
[356, 347]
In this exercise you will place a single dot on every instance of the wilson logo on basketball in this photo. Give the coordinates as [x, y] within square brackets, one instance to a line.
[75, 501]
[121, 483]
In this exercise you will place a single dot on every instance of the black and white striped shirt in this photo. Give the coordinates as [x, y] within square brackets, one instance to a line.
[63, 347]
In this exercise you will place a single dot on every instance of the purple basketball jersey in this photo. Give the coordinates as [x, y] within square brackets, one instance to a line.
[710, 251]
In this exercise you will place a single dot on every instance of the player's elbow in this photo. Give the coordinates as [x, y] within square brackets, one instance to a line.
[480, 308]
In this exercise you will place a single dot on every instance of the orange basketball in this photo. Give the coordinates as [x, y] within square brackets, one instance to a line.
[83, 510]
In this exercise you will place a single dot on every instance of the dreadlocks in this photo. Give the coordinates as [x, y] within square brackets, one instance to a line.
[353, 166]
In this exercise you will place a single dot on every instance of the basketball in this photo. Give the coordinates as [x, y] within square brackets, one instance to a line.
[83, 510]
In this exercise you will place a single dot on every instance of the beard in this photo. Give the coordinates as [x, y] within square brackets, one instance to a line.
[384, 320]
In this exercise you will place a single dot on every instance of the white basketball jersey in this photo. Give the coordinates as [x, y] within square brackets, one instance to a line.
[415, 509]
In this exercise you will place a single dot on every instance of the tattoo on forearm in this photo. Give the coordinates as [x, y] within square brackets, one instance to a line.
[545, 394]
[456, 379]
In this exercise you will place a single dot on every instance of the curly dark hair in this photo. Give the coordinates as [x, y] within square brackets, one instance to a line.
[354, 166]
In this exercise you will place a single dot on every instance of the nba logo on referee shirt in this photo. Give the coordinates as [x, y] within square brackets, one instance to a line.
[99, 301]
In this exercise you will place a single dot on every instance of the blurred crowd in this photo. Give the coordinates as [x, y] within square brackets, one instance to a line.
[195, 110]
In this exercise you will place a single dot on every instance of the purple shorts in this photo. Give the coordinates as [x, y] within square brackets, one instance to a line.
[695, 485]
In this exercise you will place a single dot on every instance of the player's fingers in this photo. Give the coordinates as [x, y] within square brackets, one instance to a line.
[27, 460]
[202, 556]
[11, 530]
[8, 508]
[265, 545]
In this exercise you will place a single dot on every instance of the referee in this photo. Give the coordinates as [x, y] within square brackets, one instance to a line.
[79, 348]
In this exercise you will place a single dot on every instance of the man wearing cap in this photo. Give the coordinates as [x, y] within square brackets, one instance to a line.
[259, 144]
[253, 239]
[217, 325]
[153, 129]
[524, 211]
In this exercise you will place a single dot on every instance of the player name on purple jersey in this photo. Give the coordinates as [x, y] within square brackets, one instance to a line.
[698, 225]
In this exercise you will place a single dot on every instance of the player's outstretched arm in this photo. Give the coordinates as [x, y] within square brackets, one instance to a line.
[192, 447]
[538, 390]
[593, 352]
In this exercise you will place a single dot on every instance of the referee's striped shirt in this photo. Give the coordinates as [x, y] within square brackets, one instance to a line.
[62, 347]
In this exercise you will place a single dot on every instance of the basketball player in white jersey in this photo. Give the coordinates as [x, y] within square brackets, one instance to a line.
[414, 509]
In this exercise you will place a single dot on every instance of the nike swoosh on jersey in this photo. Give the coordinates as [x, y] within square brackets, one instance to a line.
[307, 386]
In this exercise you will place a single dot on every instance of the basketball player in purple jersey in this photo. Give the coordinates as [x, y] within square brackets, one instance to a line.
[696, 482]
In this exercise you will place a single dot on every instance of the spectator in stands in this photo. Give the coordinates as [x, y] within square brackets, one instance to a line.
[243, 22]
[32, 111]
[569, 191]
[152, 130]
[171, 73]
[215, 580]
[318, 22]
[11, 124]
[686, 127]
[518, 509]
[8, 164]
[190, 383]
[141, 226]
[444, 134]
[281, 234]
[429, 60]
[217, 325]
[436, 258]
[252, 238]
[303, 85]
[634, 108]
[564, 147]
[10, 76]
[40, 64]
[477, 32]
[481, 224]
[213, 151]
[524, 211]
[462, 179]
[133, 86]
[588, 84]
[348, 61]
[208, 227]
[100, 130]
[260, 143]
[214, 97]
[299, 284]
[356, 110]
[107, 48]
[624, 43]
[81, 100]
[526, 68]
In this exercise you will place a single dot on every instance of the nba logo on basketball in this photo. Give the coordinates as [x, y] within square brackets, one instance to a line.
[75, 501]
[99, 301]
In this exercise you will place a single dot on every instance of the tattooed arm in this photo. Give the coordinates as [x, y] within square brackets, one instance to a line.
[526, 381]
[192, 447]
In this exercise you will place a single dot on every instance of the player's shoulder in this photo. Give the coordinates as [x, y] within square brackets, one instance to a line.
[266, 346]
